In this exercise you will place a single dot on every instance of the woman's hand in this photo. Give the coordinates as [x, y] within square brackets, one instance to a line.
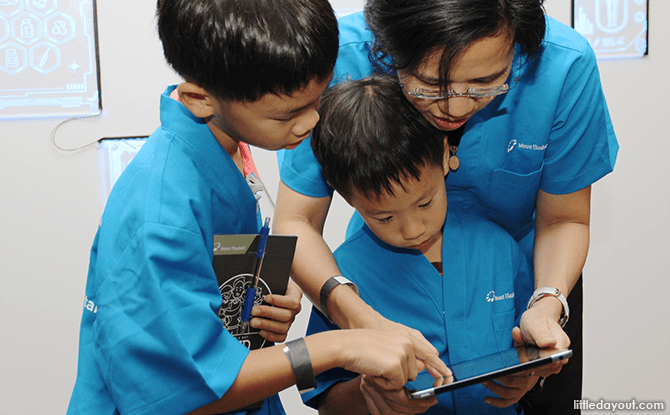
[510, 389]
[275, 320]
[539, 325]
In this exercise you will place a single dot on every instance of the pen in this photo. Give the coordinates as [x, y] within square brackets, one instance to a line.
[258, 263]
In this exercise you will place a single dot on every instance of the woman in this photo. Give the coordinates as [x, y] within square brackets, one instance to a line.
[519, 98]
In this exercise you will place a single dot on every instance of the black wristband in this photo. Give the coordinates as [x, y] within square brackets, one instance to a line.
[298, 356]
[328, 287]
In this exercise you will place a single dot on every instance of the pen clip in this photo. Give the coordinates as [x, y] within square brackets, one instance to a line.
[265, 232]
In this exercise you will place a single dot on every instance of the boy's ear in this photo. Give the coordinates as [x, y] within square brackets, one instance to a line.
[196, 99]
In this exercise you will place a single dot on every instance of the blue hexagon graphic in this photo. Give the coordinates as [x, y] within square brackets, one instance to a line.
[59, 28]
[13, 58]
[41, 7]
[45, 57]
[10, 8]
[26, 28]
[4, 29]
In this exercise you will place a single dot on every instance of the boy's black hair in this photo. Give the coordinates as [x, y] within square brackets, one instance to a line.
[408, 31]
[240, 50]
[370, 137]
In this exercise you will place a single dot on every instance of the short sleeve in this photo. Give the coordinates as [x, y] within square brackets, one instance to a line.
[302, 173]
[582, 146]
[299, 168]
[162, 347]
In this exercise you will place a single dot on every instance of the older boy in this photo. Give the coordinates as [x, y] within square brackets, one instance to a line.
[151, 341]
[459, 279]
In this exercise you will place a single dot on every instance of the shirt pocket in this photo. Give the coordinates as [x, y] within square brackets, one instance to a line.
[503, 323]
[511, 201]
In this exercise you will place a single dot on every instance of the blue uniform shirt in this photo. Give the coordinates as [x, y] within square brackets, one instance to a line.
[151, 341]
[551, 132]
[467, 312]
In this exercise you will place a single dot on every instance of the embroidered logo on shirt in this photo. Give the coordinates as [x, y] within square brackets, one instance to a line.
[514, 144]
[491, 296]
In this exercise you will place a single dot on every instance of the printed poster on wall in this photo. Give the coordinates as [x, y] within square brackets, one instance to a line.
[616, 29]
[48, 59]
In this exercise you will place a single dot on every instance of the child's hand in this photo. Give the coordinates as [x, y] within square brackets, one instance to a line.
[510, 388]
[274, 322]
[391, 357]
[391, 402]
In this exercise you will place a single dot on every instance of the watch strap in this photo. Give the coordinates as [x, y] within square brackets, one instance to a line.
[328, 287]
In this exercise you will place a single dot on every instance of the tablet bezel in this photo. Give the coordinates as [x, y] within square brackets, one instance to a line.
[559, 354]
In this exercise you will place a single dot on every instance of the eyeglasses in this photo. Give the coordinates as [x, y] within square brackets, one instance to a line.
[436, 94]
[422, 93]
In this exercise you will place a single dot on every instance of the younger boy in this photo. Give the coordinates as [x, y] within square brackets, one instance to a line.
[458, 279]
[151, 341]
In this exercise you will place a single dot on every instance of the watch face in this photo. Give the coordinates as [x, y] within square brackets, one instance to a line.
[546, 292]
[543, 292]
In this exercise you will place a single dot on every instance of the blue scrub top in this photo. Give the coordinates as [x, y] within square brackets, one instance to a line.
[151, 341]
[551, 132]
[467, 312]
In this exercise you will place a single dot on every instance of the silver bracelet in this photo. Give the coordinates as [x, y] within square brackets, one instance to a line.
[298, 356]
[328, 287]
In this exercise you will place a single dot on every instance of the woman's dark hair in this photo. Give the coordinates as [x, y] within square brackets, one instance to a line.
[408, 31]
[370, 137]
[243, 49]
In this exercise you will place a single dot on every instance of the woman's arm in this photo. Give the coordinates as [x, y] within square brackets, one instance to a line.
[561, 238]
[314, 263]
[559, 253]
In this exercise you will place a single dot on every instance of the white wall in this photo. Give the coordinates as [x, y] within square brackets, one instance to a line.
[626, 309]
[52, 200]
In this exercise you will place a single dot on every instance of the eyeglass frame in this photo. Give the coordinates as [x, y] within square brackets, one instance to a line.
[489, 92]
